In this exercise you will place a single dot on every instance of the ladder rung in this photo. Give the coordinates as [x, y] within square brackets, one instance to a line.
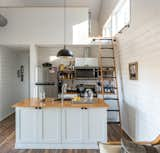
[111, 99]
[108, 66]
[108, 57]
[106, 48]
[107, 70]
[94, 39]
[109, 78]
[109, 93]
[112, 110]
[113, 122]
[110, 87]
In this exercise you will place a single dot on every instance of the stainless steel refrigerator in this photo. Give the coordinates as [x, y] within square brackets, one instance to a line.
[47, 83]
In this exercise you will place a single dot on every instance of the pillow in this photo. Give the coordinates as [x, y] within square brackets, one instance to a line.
[105, 148]
[157, 147]
[131, 147]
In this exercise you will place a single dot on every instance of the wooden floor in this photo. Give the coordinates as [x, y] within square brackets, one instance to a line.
[7, 139]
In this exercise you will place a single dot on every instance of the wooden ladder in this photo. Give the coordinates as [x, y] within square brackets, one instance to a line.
[108, 78]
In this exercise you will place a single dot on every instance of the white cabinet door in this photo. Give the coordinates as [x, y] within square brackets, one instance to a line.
[72, 125]
[97, 125]
[51, 125]
[27, 123]
[84, 125]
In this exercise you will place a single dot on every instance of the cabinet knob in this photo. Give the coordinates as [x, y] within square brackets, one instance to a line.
[84, 108]
[38, 107]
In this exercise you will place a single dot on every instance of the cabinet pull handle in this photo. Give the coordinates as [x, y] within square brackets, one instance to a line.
[36, 107]
[84, 108]
[40, 107]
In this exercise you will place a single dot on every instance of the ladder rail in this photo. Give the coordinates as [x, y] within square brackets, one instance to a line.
[118, 102]
[102, 78]
[101, 71]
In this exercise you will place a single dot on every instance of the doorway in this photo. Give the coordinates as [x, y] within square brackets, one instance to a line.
[14, 77]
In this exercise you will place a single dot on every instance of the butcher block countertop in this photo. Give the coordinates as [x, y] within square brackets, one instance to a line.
[37, 103]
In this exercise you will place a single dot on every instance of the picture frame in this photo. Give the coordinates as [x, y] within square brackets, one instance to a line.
[133, 71]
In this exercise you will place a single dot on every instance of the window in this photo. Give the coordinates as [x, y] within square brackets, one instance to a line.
[119, 18]
[107, 30]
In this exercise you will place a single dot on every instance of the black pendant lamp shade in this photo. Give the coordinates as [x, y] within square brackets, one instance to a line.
[65, 52]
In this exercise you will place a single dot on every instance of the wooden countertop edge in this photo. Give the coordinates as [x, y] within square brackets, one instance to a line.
[31, 103]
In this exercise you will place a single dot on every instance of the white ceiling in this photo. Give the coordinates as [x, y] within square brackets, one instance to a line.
[18, 48]
[49, 3]
[93, 5]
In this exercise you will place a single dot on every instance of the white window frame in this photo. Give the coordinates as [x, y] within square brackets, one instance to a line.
[107, 27]
[113, 19]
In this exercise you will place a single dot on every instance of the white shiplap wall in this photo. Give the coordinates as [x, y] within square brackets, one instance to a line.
[140, 107]
[7, 81]
[11, 89]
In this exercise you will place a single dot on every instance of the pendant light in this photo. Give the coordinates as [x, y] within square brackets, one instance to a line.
[3, 21]
[65, 52]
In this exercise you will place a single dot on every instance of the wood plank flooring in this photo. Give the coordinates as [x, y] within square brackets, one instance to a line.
[115, 133]
[7, 139]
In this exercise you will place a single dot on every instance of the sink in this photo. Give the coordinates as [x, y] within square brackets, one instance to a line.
[84, 101]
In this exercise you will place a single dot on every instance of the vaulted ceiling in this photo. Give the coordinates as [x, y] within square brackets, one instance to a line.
[54, 3]
[93, 5]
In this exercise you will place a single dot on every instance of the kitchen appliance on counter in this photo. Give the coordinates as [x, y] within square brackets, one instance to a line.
[86, 68]
[88, 95]
[47, 84]
[86, 72]
[83, 88]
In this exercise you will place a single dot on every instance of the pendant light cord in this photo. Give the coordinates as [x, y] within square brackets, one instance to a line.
[64, 23]
[65, 52]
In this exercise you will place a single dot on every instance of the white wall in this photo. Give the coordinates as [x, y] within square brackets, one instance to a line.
[106, 10]
[42, 25]
[141, 43]
[33, 61]
[44, 53]
[7, 81]
[11, 90]
[140, 106]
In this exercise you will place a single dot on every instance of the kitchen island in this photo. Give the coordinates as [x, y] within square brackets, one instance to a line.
[53, 125]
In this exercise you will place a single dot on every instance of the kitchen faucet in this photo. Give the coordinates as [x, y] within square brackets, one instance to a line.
[64, 86]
